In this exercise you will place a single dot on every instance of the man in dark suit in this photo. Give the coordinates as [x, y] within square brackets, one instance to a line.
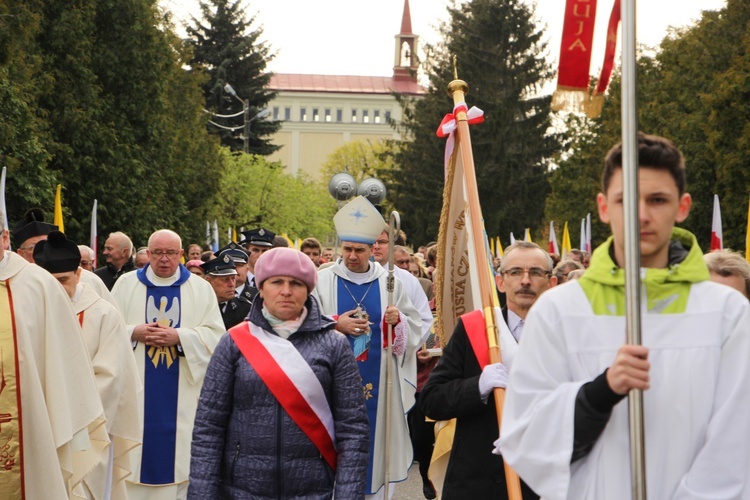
[461, 384]
[221, 274]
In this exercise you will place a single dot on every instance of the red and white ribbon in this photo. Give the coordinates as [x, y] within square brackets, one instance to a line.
[449, 125]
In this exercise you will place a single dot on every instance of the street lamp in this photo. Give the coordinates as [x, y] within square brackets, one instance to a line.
[246, 113]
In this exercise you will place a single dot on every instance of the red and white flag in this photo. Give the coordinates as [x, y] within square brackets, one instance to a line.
[553, 248]
[717, 238]
[93, 240]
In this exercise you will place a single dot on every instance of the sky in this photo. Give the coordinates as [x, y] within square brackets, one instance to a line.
[356, 37]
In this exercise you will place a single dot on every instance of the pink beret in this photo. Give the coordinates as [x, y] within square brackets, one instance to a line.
[284, 261]
[194, 263]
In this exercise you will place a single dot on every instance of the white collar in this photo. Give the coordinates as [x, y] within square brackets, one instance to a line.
[156, 280]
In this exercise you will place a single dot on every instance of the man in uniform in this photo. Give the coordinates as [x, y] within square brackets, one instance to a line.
[256, 242]
[51, 418]
[239, 255]
[461, 384]
[565, 425]
[174, 322]
[354, 290]
[221, 274]
[115, 371]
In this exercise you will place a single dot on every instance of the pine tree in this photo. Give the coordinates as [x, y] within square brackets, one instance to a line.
[500, 54]
[229, 50]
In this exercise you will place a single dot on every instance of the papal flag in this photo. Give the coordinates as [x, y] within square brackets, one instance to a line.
[527, 235]
[552, 248]
[58, 219]
[499, 252]
[717, 237]
[566, 246]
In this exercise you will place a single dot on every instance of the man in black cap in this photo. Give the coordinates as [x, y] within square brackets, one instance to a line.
[221, 274]
[257, 241]
[30, 230]
[109, 348]
[242, 290]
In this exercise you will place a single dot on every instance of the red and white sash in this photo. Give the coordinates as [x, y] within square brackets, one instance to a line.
[291, 380]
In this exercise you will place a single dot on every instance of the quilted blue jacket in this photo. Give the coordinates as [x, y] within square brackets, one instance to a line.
[245, 445]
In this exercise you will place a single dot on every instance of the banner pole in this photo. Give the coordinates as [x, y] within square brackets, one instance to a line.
[458, 89]
[632, 238]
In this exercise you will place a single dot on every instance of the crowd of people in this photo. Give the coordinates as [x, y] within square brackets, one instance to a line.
[262, 371]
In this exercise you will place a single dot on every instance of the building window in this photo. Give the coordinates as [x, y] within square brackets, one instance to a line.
[376, 116]
[365, 116]
[328, 114]
[287, 114]
[339, 115]
[275, 112]
[316, 115]
[354, 115]
[387, 116]
[303, 114]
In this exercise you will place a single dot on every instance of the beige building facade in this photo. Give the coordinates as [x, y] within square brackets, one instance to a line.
[320, 113]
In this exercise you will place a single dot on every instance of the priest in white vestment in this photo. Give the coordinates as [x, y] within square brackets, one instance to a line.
[115, 371]
[51, 419]
[174, 322]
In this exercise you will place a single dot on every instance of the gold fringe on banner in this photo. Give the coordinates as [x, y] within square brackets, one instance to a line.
[570, 99]
[595, 106]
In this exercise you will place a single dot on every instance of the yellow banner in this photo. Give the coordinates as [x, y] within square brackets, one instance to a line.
[11, 463]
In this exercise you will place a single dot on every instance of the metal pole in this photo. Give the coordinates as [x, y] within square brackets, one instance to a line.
[246, 139]
[632, 239]
[394, 224]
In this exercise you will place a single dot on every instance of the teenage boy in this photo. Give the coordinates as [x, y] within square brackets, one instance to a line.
[565, 424]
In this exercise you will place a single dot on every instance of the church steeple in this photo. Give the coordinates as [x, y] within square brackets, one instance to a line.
[405, 62]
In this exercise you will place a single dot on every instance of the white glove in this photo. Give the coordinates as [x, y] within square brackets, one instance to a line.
[496, 444]
[494, 375]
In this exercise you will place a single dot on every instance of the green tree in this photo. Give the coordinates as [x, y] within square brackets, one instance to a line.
[227, 47]
[119, 119]
[499, 50]
[22, 129]
[693, 91]
[256, 192]
[363, 159]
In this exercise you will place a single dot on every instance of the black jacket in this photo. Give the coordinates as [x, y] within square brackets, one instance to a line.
[452, 391]
[235, 311]
[109, 273]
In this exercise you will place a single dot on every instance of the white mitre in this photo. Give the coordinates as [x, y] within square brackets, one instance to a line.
[359, 221]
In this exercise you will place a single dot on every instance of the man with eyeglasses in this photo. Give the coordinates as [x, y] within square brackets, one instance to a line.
[174, 321]
[459, 388]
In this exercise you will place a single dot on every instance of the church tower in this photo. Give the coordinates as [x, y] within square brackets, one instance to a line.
[405, 61]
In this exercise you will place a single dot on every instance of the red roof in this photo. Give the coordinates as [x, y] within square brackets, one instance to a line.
[343, 84]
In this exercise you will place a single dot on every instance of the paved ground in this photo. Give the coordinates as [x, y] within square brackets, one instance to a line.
[411, 489]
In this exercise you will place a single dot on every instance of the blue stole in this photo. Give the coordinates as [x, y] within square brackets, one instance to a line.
[372, 343]
[161, 383]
